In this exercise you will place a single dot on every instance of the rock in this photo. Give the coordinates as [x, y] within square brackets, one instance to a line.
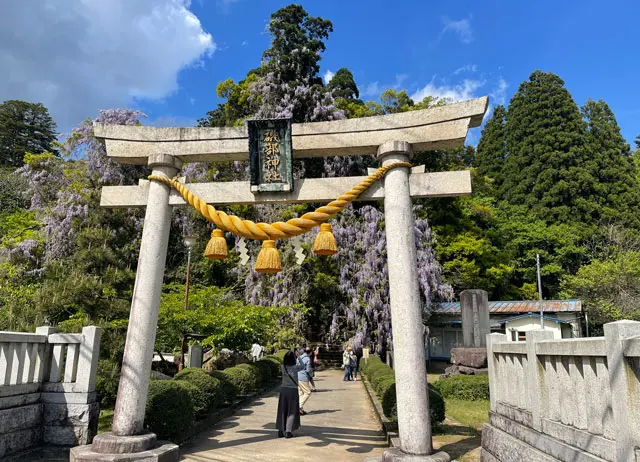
[463, 370]
[471, 357]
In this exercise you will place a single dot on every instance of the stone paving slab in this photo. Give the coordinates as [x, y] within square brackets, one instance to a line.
[340, 426]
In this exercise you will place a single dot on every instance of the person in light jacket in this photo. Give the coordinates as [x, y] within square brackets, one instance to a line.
[346, 363]
[304, 378]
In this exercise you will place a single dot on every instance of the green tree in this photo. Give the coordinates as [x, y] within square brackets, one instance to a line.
[611, 161]
[297, 41]
[545, 168]
[24, 127]
[491, 152]
[342, 85]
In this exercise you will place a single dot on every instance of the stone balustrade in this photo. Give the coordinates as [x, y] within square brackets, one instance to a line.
[565, 400]
[47, 388]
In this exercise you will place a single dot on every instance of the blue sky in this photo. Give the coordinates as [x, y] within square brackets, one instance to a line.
[167, 59]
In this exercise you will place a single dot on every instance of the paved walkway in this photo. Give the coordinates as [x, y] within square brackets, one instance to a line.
[340, 426]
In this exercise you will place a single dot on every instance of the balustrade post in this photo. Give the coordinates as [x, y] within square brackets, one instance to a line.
[88, 359]
[44, 354]
[492, 364]
[620, 375]
[535, 376]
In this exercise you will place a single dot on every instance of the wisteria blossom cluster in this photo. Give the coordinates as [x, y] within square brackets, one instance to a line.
[301, 102]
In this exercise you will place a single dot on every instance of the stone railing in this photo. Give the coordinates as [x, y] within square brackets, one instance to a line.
[47, 388]
[567, 400]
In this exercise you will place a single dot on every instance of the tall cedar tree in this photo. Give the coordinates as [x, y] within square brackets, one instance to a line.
[546, 165]
[342, 85]
[491, 153]
[612, 164]
[298, 40]
[24, 127]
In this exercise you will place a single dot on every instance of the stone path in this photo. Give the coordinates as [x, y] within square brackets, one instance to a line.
[340, 426]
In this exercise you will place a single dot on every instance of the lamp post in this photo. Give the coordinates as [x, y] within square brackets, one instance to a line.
[189, 243]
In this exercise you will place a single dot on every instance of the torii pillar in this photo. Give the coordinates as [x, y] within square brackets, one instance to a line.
[164, 150]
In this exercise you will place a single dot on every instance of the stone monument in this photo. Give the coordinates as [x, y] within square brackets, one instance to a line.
[164, 150]
[471, 359]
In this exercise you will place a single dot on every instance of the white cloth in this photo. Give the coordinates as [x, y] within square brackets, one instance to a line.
[256, 350]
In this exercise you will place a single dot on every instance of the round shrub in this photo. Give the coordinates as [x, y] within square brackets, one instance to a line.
[274, 364]
[209, 393]
[465, 387]
[229, 390]
[270, 368]
[265, 371]
[255, 376]
[169, 413]
[436, 406]
[243, 381]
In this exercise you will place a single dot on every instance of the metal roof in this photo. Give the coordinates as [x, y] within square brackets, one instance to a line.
[534, 315]
[514, 306]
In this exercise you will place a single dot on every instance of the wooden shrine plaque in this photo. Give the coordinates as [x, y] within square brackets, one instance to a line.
[270, 155]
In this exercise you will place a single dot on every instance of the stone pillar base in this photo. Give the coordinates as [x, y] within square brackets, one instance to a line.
[396, 455]
[108, 447]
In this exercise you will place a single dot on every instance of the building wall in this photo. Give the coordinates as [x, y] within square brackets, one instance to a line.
[531, 323]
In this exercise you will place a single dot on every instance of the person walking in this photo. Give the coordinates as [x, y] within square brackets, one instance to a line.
[353, 362]
[304, 379]
[346, 363]
[312, 374]
[288, 418]
[256, 352]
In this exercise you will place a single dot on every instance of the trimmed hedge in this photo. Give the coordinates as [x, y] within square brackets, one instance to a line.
[383, 381]
[254, 374]
[228, 389]
[208, 394]
[242, 379]
[465, 387]
[274, 364]
[170, 412]
[264, 369]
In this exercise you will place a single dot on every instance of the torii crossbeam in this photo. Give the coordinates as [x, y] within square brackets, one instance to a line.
[393, 138]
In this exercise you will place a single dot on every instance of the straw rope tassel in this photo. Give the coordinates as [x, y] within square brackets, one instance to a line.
[278, 230]
[217, 246]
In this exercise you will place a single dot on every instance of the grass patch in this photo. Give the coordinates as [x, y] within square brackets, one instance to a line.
[469, 413]
[105, 420]
[432, 378]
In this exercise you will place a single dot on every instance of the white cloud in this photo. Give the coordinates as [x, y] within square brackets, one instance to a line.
[328, 76]
[96, 54]
[461, 28]
[244, 43]
[374, 88]
[470, 68]
[458, 92]
[499, 93]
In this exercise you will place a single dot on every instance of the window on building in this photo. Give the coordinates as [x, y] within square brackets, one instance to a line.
[518, 336]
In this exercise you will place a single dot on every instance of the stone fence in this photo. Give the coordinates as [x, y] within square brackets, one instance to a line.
[564, 400]
[47, 388]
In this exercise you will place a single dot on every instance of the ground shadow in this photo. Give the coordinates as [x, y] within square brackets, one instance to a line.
[323, 411]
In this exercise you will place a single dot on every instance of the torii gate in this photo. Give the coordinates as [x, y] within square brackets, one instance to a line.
[393, 138]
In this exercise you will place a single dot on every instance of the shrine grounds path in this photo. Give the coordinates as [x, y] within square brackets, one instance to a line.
[340, 426]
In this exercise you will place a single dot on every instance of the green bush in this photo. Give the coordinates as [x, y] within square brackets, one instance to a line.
[256, 376]
[280, 355]
[382, 379]
[265, 371]
[169, 413]
[209, 394]
[107, 380]
[465, 387]
[242, 379]
[274, 364]
[228, 389]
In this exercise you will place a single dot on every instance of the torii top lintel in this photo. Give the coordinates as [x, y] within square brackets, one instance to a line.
[427, 129]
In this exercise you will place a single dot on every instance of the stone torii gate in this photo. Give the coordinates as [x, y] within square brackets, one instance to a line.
[393, 138]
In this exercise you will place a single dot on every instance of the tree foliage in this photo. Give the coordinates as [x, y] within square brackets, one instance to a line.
[24, 127]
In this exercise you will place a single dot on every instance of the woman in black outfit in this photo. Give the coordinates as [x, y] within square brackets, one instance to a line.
[288, 418]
